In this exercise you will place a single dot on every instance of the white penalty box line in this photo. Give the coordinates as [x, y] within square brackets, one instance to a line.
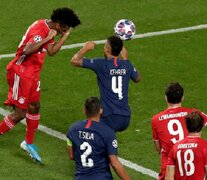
[138, 36]
[62, 136]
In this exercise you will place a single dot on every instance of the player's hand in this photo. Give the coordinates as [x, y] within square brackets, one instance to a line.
[67, 33]
[89, 45]
[52, 34]
[124, 53]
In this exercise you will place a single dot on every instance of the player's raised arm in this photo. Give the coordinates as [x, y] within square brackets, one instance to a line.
[118, 167]
[77, 59]
[33, 47]
[54, 48]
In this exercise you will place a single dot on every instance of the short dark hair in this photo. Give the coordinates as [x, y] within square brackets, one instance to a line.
[116, 45]
[65, 16]
[92, 106]
[174, 93]
[194, 122]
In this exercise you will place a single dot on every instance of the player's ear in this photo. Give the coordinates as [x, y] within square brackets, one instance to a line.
[107, 48]
[166, 98]
[84, 111]
[101, 110]
[182, 98]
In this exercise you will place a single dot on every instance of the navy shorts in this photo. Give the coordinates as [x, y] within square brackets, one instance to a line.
[116, 122]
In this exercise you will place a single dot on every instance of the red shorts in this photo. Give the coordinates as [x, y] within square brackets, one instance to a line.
[22, 90]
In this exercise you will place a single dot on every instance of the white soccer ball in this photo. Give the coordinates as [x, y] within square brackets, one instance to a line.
[125, 29]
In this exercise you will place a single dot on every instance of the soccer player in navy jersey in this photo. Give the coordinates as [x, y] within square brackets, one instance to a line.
[113, 76]
[93, 146]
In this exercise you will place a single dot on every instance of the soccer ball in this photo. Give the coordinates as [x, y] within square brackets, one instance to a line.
[125, 29]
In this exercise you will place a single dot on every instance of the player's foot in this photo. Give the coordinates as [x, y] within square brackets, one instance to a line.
[31, 150]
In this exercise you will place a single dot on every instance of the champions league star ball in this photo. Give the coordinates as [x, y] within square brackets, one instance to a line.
[125, 29]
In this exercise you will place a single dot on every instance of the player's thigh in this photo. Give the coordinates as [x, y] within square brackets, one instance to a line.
[19, 89]
[35, 92]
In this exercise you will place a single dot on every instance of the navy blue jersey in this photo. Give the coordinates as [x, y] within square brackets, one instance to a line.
[93, 142]
[113, 78]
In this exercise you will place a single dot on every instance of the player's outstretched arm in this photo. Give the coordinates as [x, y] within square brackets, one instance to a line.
[118, 167]
[33, 47]
[52, 49]
[77, 59]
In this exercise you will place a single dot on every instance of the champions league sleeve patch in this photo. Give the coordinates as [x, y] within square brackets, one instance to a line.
[37, 38]
[115, 143]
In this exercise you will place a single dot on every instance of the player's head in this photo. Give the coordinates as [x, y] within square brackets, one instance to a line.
[194, 122]
[64, 18]
[93, 107]
[174, 93]
[113, 46]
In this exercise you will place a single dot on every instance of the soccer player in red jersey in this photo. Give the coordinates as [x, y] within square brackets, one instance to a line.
[168, 126]
[23, 72]
[188, 158]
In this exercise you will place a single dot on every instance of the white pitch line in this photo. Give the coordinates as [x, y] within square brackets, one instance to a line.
[62, 136]
[138, 36]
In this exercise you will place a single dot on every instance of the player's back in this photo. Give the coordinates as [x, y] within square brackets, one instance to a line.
[90, 140]
[113, 77]
[169, 127]
[190, 156]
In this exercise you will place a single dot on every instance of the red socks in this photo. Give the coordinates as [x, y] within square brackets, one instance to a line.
[32, 124]
[6, 124]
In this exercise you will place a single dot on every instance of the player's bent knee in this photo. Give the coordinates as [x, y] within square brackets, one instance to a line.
[34, 107]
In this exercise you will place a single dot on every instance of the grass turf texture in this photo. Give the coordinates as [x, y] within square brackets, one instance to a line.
[162, 59]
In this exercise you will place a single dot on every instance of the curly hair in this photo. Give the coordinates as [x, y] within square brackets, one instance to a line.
[65, 16]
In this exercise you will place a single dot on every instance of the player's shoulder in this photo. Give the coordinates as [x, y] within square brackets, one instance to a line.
[76, 125]
[156, 116]
[40, 24]
[203, 142]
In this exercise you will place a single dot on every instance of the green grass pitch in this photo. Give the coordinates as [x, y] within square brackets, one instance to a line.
[161, 59]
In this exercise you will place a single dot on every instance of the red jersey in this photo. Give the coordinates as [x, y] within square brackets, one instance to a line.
[30, 66]
[189, 156]
[169, 127]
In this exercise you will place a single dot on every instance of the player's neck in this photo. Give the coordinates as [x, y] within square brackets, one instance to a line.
[173, 105]
[109, 56]
[196, 134]
[94, 118]
[49, 23]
